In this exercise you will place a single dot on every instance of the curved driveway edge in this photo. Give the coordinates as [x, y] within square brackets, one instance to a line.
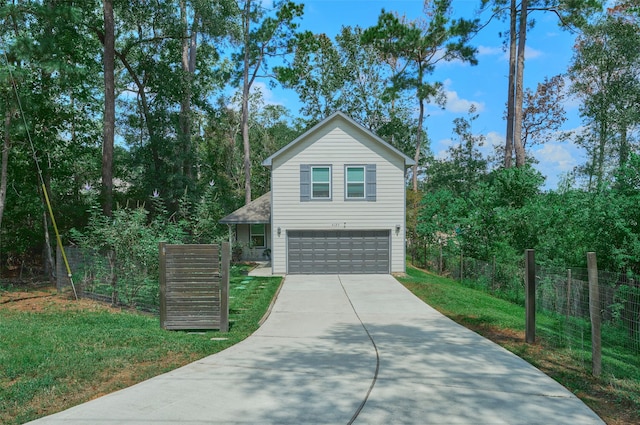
[340, 349]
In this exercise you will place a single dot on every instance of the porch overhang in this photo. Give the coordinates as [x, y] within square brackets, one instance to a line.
[257, 211]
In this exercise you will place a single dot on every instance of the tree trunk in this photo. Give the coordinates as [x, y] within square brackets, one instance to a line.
[602, 143]
[508, 147]
[245, 106]
[109, 108]
[624, 146]
[416, 157]
[146, 113]
[6, 147]
[517, 125]
[51, 264]
[189, 44]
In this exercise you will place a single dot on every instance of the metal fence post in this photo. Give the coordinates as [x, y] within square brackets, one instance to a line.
[568, 294]
[461, 265]
[594, 312]
[493, 274]
[530, 296]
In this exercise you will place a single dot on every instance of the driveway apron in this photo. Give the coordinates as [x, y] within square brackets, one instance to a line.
[342, 349]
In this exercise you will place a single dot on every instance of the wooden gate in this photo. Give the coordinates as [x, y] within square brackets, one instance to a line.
[194, 286]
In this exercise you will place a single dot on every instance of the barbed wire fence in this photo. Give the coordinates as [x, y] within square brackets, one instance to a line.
[562, 299]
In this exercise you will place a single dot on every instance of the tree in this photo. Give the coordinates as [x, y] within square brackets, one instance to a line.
[464, 167]
[349, 76]
[205, 19]
[605, 75]
[421, 45]
[318, 74]
[49, 91]
[169, 52]
[569, 14]
[109, 107]
[517, 90]
[543, 112]
[270, 37]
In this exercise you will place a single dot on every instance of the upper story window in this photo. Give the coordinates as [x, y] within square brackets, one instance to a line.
[355, 182]
[320, 182]
[316, 182]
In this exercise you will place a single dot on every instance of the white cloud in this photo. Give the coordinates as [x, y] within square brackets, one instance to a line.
[268, 96]
[492, 139]
[441, 147]
[556, 155]
[490, 51]
[456, 104]
[529, 52]
[557, 159]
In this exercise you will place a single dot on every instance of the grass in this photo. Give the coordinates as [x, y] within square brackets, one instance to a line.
[615, 396]
[59, 353]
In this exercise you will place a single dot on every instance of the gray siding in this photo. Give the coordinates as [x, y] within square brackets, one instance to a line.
[338, 143]
[338, 251]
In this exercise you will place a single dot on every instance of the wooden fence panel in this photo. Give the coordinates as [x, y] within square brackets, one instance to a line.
[194, 284]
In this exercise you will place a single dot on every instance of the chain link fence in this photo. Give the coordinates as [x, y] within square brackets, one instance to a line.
[562, 297]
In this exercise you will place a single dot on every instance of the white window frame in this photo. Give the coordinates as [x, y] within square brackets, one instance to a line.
[363, 182]
[263, 234]
[312, 182]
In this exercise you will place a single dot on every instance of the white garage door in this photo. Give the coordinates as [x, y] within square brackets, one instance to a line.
[335, 251]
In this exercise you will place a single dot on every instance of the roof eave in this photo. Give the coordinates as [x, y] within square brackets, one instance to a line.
[267, 162]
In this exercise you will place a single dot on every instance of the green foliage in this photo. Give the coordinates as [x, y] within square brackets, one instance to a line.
[485, 219]
[347, 75]
[122, 250]
[604, 77]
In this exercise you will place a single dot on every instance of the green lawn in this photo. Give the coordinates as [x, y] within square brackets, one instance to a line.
[70, 352]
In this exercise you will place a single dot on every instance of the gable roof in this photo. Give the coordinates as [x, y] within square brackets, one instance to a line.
[407, 160]
[255, 212]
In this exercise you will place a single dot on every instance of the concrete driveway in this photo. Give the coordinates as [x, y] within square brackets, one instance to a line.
[344, 349]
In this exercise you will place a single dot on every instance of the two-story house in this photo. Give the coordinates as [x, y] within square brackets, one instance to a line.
[337, 204]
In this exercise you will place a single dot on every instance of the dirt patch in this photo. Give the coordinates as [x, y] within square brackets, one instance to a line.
[130, 375]
[46, 299]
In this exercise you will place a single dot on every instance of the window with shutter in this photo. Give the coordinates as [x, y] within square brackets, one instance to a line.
[321, 182]
[315, 182]
[360, 182]
[355, 182]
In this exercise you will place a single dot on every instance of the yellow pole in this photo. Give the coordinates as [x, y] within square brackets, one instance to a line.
[55, 228]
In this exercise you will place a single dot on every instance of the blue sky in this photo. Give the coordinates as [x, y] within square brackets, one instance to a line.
[549, 53]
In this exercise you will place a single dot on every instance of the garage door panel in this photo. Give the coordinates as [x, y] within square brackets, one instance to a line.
[332, 252]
